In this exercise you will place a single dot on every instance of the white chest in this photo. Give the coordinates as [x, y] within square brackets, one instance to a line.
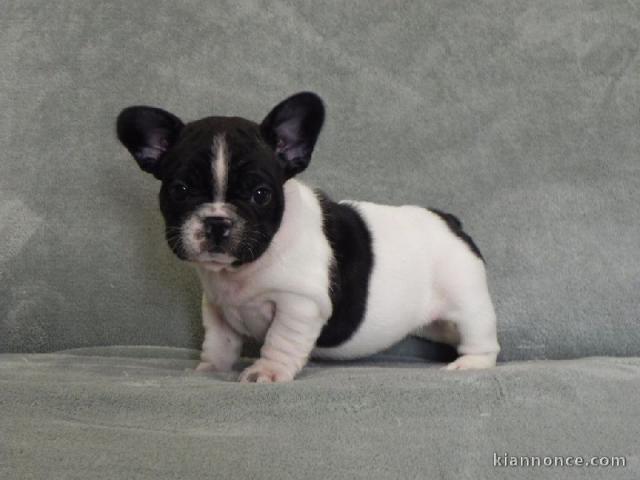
[252, 319]
[247, 310]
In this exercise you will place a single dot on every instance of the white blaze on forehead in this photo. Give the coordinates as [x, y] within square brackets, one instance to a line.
[219, 167]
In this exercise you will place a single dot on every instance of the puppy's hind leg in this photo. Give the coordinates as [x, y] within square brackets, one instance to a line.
[441, 331]
[475, 320]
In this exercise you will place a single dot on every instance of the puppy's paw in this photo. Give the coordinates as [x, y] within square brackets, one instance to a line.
[265, 371]
[473, 362]
[205, 367]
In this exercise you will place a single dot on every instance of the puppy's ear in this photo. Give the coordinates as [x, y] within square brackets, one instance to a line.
[292, 129]
[148, 132]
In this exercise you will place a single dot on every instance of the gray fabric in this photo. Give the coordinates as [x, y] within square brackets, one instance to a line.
[107, 414]
[522, 117]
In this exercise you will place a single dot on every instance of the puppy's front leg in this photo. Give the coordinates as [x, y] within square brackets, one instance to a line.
[289, 341]
[222, 345]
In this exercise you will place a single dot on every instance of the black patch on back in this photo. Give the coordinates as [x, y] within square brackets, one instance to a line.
[455, 225]
[352, 248]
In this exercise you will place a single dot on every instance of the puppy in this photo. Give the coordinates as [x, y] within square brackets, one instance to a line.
[284, 264]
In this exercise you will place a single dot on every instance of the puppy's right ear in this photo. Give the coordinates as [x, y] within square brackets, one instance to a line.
[148, 132]
[292, 128]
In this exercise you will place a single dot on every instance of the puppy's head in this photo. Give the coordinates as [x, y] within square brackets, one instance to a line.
[222, 177]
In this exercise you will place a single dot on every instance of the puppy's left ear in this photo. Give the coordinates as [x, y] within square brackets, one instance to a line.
[292, 129]
[148, 132]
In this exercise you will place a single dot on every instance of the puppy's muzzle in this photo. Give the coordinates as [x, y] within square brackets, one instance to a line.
[217, 230]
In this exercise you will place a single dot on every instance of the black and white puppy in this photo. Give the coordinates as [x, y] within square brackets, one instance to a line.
[284, 264]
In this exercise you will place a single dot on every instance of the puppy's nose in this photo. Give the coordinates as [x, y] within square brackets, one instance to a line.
[217, 228]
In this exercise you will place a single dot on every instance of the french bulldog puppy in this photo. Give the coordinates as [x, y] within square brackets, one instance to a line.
[284, 264]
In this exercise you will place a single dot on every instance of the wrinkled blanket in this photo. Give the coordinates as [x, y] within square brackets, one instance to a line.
[138, 413]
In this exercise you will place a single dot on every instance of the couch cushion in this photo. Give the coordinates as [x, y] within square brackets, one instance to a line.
[521, 117]
[143, 413]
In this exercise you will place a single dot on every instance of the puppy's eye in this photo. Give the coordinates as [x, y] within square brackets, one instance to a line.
[261, 196]
[178, 191]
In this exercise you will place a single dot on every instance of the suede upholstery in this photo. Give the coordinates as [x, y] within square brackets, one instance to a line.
[520, 118]
[138, 413]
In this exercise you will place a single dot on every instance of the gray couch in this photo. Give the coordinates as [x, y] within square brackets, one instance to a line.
[521, 117]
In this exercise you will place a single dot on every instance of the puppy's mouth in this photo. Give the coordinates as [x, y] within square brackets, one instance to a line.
[208, 248]
[215, 260]
[215, 244]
